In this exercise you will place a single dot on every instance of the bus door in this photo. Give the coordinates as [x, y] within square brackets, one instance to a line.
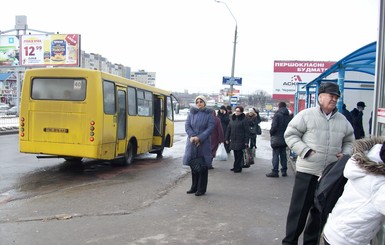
[159, 117]
[121, 120]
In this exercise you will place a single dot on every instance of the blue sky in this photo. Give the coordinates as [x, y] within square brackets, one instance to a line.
[189, 43]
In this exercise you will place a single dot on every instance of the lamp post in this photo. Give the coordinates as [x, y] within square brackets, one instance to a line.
[235, 46]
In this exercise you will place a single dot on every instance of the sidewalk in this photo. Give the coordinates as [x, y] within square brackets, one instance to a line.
[238, 208]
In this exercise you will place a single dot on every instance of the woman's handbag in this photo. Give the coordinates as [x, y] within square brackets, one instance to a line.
[196, 163]
[259, 130]
[221, 153]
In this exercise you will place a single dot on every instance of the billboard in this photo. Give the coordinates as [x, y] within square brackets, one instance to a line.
[287, 73]
[50, 50]
[9, 51]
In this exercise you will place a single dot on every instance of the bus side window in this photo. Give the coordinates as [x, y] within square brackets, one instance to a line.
[131, 101]
[109, 97]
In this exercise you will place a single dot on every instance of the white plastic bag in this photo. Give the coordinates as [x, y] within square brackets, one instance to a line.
[221, 153]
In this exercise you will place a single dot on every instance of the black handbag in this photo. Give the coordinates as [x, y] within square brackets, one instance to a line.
[259, 130]
[196, 163]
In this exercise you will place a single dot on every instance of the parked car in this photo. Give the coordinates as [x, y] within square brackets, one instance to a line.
[3, 109]
[12, 111]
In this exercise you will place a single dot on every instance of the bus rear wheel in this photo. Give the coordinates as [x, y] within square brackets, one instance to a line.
[129, 155]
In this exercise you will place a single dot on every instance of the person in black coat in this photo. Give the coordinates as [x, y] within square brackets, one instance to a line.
[357, 115]
[225, 120]
[277, 141]
[237, 135]
[347, 114]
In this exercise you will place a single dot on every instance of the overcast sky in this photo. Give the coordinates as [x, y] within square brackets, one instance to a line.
[189, 43]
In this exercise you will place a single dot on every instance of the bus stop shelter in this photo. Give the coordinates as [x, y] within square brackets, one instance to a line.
[354, 72]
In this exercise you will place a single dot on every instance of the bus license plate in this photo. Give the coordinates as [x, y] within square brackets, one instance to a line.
[56, 130]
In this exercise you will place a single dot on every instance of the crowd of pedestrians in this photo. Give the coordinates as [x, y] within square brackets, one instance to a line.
[318, 136]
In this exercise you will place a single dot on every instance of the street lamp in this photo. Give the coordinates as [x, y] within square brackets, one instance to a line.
[235, 45]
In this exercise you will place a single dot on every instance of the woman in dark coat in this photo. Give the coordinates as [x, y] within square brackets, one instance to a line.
[254, 120]
[225, 120]
[237, 135]
[199, 126]
[217, 137]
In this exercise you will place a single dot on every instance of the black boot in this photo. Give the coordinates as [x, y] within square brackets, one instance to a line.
[194, 185]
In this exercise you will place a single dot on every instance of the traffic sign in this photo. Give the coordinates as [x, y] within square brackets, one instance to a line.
[233, 100]
[232, 81]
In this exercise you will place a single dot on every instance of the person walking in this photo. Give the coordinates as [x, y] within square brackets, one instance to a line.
[360, 211]
[277, 142]
[357, 114]
[319, 136]
[225, 119]
[199, 125]
[254, 120]
[217, 137]
[237, 135]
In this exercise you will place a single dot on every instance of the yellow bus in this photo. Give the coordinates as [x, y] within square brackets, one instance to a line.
[77, 113]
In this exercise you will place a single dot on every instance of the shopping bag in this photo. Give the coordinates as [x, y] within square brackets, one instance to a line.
[246, 157]
[252, 154]
[221, 153]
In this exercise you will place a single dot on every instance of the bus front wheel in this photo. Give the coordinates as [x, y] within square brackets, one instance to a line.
[129, 155]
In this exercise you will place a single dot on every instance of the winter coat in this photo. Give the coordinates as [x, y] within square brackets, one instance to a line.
[348, 116]
[254, 120]
[225, 120]
[359, 212]
[278, 126]
[238, 132]
[357, 115]
[310, 129]
[199, 123]
[217, 136]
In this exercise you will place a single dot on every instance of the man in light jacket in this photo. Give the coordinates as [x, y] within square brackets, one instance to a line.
[319, 136]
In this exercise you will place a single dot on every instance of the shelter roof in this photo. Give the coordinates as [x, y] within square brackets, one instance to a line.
[362, 60]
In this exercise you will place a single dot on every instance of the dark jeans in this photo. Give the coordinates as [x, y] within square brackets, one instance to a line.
[279, 153]
[302, 202]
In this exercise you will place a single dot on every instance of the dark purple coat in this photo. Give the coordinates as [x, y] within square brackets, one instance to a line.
[217, 136]
[199, 123]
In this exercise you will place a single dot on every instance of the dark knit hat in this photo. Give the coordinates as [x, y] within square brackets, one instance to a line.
[361, 104]
[223, 107]
[329, 88]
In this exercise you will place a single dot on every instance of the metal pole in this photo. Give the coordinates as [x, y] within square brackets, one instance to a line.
[233, 64]
[234, 48]
[380, 72]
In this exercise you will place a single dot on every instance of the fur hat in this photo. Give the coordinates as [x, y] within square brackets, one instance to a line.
[329, 88]
[201, 97]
